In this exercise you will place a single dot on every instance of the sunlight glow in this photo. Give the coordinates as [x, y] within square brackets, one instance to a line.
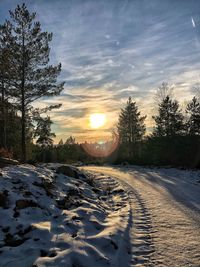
[101, 149]
[97, 120]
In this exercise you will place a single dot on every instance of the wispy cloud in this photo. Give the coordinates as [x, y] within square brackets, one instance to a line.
[110, 50]
[193, 23]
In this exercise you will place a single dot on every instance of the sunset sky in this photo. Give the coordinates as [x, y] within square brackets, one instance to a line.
[111, 50]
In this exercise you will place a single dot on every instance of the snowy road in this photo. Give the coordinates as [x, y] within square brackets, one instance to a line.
[165, 205]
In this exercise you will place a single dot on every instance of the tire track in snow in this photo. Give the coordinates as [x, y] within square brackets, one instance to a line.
[140, 232]
[139, 223]
[122, 241]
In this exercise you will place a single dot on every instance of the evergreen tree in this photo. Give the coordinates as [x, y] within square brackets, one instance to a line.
[193, 123]
[30, 75]
[131, 127]
[43, 132]
[169, 121]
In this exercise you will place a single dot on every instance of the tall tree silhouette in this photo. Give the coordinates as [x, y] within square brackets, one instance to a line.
[43, 132]
[131, 127]
[193, 123]
[169, 121]
[31, 76]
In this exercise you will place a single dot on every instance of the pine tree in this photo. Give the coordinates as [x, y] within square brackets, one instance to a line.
[131, 127]
[169, 121]
[193, 123]
[30, 75]
[43, 132]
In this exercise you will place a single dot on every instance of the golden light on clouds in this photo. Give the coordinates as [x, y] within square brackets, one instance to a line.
[97, 120]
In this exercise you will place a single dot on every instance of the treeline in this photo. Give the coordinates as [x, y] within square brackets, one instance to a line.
[25, 76]
[64, 152]
[175, 139]
[70, 151]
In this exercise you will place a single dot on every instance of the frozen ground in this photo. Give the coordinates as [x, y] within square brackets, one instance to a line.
[51, 219]
[165, 211]
[119, 217]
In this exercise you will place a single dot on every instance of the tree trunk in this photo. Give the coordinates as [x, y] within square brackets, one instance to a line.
[130, 138]
[23, 137]
[23, 109]
[4, 118]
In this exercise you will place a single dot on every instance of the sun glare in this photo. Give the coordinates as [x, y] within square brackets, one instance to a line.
[97, 120]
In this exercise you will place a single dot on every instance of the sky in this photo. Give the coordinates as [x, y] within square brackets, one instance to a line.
[113, 49]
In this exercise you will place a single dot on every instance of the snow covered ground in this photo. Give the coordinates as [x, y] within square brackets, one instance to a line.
[52, 215]
[50, 219]
[165, 205]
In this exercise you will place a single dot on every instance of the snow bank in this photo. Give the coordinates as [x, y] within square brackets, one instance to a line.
[50, 219]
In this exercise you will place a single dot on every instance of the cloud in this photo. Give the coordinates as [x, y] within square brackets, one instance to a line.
[193, 23]
[111, 50]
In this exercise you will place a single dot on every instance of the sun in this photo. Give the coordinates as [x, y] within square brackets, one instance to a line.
[97, 120]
